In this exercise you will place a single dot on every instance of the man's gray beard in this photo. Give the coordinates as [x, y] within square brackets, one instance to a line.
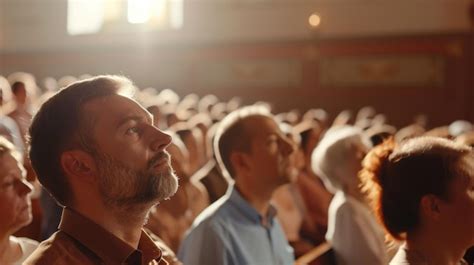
[122, 187]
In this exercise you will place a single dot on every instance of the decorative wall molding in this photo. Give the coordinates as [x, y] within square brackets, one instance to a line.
[382, 71]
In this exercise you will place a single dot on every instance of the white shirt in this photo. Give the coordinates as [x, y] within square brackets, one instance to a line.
[27, 247]
[353, 232]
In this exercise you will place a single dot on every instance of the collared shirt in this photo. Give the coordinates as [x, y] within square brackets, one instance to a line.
[81, 241]
[231, 231]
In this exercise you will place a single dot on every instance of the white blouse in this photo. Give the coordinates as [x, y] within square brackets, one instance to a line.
[355, 235]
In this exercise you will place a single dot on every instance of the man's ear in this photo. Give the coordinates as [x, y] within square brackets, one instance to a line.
[77, 163]
[430, 206]
[240, 162]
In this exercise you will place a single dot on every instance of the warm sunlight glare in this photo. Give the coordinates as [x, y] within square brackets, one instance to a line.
[139, 11]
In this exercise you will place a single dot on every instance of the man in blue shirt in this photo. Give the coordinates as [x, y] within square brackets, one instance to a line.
[240, 228]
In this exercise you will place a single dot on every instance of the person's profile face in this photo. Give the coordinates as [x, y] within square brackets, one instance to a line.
[270, 151]
[313, 140]
[20, 95]
[353, 164]
[131, 158]
[458, 210]
[296, 157]
[15, 203]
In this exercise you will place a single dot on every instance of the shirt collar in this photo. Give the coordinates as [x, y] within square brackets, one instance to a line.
[247, 209]
[104, 244]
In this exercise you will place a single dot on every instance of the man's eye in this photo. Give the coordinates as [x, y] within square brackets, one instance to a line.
[8, 184]
[272, 140]
[133, 130]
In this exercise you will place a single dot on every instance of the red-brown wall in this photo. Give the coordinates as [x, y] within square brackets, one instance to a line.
[399, 76]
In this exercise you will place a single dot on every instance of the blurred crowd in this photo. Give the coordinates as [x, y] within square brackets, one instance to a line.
[323, 201]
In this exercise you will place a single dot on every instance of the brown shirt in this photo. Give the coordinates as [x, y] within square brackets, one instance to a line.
[81, 241]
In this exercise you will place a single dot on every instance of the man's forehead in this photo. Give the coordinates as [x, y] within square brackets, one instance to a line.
[260, 124]
[114, 107]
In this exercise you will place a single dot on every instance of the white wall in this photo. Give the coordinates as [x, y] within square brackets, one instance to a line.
[29, 25]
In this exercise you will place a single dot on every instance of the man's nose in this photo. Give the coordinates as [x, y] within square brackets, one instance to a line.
[24, 187]
[160, 140]
[286, 146]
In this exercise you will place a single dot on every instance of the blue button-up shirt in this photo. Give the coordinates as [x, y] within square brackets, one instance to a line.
[230, 231]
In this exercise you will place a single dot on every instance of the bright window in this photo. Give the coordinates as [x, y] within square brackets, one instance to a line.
[90, 17]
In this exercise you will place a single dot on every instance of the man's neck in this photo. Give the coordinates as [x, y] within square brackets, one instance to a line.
[355, 193]
[260, 200]
[4, 245]
[126, 223]
[7, 250]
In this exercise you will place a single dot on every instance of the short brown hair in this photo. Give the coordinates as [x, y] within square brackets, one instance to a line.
[60, 126]
[232, 135]
[396, 177]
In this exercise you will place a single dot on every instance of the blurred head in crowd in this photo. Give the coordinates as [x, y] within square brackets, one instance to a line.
[297, 156]
[192, 139]
[179, 158]
[459, 127]
[5, 91]
[338, 156]
[310, 133]
[379, 133]
[466, 138]
[15, 203]
[203, 122]
[19, 92]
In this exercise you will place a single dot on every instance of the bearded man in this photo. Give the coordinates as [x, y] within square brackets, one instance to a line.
[100, 156]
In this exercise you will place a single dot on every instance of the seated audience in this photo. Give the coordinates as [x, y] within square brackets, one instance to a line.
[422, 191]
[211, 177]
[353, 231]
[241, 228]
[21, 113]
[98, 153]
[23, 91]
[15, 206]
[466, 138]
[8, 127]
[210, 174]
[172, 218]
[315, 196]
[417, 128]
[460, 127]
[192, 139]
[379, 133]
[287, 199]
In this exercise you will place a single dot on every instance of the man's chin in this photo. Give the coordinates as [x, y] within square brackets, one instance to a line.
[168, 186]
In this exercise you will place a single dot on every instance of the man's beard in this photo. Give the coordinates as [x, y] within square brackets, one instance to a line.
[122, 187]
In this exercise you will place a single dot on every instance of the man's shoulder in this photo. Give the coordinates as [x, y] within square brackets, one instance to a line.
[60, 248]
[214, 213]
